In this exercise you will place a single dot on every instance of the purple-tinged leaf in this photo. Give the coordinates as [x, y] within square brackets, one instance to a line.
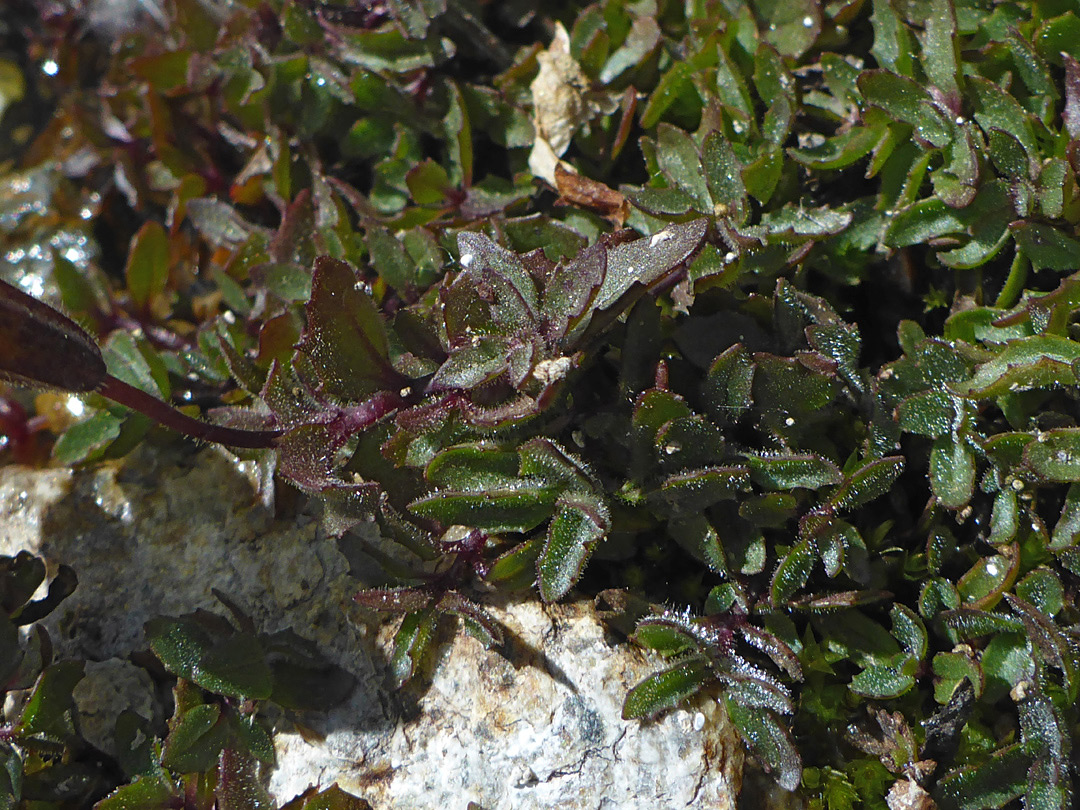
[238, 784]
[646, 261]
[478, 622]
[292, 244]
[1039, 361]
[569, 289]
[580, 522]
[1071, 114]
[345, 336]
[508, 287]
[394, 600]
[991, 783]
[967, 623]
[1053, 645]
[42, 347]
[749, 686]
[781, 654]
[694, 491]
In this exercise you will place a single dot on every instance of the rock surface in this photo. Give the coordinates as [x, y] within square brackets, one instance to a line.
[534, 724]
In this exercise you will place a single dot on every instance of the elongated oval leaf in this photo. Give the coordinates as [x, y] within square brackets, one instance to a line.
[770, 741]
[580, 522]
[791, 470]
[667, 689]
[870, 481]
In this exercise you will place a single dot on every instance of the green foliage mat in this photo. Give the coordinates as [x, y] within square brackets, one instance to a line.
[782, 356]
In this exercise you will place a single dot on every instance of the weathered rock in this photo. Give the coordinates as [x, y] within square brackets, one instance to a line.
[535, 724]
[107, 689]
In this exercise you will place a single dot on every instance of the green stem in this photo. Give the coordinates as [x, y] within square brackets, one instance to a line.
[1014, 284]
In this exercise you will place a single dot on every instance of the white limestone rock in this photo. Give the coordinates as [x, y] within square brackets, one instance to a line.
[535, 724]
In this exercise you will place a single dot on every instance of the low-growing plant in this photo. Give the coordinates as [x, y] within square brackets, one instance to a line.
[820, 389]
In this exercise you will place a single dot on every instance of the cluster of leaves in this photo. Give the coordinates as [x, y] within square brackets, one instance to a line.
[215, 743]
[746, 401]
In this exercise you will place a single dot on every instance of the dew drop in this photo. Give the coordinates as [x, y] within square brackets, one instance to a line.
[808, 22]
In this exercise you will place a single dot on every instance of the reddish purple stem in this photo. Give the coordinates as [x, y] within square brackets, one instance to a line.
[119, 391]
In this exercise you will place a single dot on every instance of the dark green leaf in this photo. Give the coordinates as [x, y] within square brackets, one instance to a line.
[906, 101]
[147, 269]
[645, 261]
[870, 481]
[952, 471]
[884, 681]
[238, 784]
[150, 792]
[517, 509]
[580, 522]
[727, 386]
[793, 571]
[769, 741]
[667, 689]
[1047, 246]
[411, 644]
[11, 777]
[50, 711]
[680, 162]
[235, 667]
[788, 471]
[1055, 455]
[987, 786]
[196, 740]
